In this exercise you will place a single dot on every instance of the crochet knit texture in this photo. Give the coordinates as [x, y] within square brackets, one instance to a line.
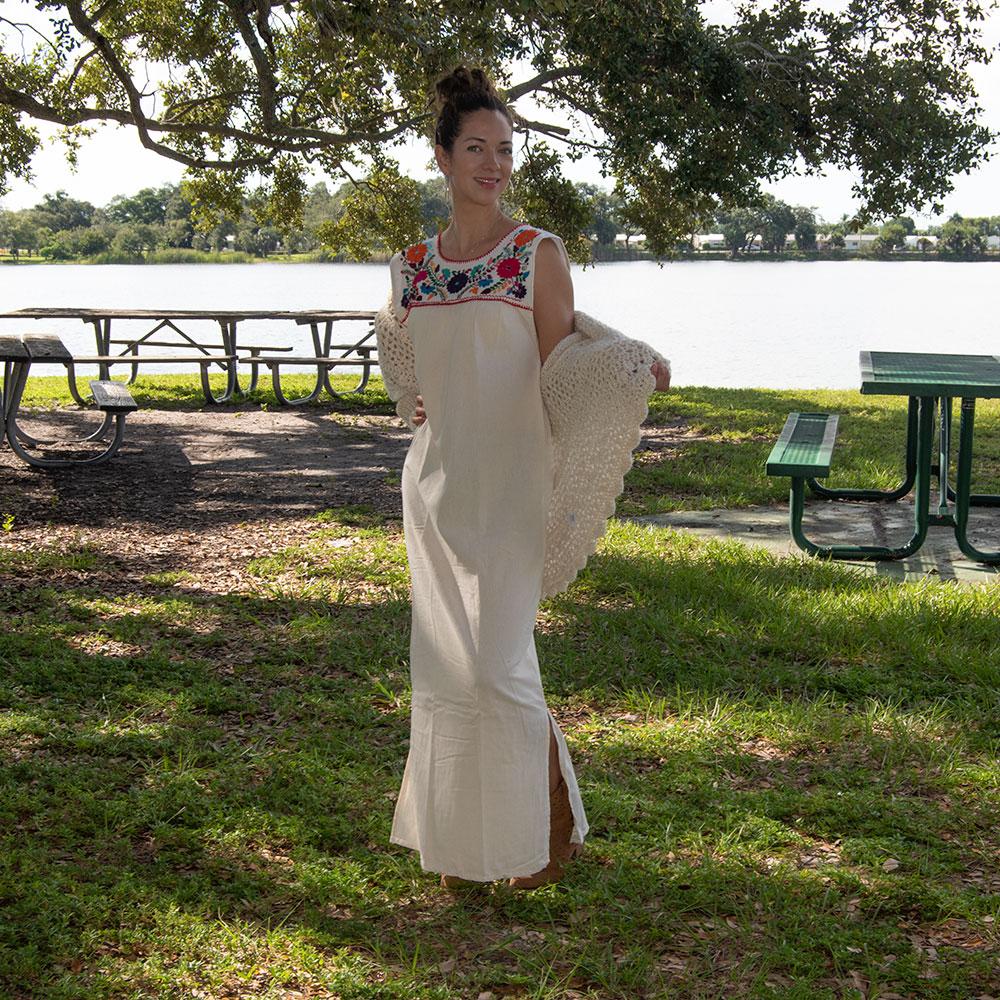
[595, 386]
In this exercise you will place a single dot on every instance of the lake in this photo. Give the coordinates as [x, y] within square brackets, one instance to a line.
[794, 324]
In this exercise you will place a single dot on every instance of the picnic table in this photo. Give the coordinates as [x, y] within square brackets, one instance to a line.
[931, 382]
[222, 354]
[18, 354]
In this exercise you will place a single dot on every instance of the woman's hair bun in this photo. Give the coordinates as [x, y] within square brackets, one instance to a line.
[463, 83]
[461, 91]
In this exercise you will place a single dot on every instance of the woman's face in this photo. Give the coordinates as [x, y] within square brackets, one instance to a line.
[482, 158]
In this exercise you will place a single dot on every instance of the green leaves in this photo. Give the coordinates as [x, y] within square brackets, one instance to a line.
[541, 194]
[381, 215]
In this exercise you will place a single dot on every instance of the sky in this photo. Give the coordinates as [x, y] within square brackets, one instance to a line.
[113, 162]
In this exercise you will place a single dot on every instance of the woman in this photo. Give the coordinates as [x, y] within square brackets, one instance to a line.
[489, 790]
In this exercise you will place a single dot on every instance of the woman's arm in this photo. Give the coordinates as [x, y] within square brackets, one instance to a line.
[553, 298]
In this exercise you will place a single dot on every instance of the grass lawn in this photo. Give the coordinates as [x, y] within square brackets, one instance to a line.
[790, 769]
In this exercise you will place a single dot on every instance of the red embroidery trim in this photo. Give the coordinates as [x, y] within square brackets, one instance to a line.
[469, 260]
[462, 302]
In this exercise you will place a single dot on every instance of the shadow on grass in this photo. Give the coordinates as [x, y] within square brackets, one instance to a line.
[213, 792]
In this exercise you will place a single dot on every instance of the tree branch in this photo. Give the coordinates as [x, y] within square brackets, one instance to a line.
[294, 140]
[519, 90]
[78, 67]
[265, 75]
[18, 26]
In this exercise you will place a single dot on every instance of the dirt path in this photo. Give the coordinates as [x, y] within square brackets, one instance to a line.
[203, 491]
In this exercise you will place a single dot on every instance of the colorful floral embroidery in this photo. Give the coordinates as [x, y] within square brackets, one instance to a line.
[429, 279]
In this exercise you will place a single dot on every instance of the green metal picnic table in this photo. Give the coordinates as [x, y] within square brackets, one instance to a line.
[932, 382]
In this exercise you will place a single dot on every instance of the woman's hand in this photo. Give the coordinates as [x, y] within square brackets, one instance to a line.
[419, 414]
[662, 375]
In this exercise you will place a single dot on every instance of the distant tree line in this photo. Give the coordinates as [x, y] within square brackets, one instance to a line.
[131, 227]
[161, 220]
[766, 227]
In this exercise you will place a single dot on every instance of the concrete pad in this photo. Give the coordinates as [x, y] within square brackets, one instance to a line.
[852, 523]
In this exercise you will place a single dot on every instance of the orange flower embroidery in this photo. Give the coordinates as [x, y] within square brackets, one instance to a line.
[416, 253]
[525, 236]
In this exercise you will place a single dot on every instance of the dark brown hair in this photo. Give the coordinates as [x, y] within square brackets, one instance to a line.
[461, 91]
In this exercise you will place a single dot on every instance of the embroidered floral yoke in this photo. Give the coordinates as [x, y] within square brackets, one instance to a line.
[501, 274]
[506, 488]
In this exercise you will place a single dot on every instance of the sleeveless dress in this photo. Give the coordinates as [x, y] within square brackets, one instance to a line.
[476, 484]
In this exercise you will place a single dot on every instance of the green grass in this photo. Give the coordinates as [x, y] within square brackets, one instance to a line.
[736, 428]
[180, 392]
[790, 769]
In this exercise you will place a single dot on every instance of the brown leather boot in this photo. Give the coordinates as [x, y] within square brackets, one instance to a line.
[457, 882]
[561, 849]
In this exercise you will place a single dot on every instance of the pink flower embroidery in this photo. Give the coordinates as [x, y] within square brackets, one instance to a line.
[509, 267]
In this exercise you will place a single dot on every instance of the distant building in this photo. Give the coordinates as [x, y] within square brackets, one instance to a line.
[709, 241]
[630, 239]
[855, 241]
[918, 241]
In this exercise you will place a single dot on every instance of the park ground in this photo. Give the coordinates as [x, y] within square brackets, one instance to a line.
[790, 768]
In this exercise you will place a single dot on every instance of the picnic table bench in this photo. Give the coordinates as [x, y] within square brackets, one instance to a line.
[324, 364]
[18, 353]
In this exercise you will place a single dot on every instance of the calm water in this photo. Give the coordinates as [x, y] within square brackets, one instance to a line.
[792, 324]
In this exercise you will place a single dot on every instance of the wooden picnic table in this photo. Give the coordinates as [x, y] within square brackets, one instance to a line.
[223, 354]
[18, 354]
[931, 382]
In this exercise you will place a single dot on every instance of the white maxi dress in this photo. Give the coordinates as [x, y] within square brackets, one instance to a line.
[476, 484]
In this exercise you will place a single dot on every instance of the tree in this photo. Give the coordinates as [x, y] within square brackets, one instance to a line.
[434, 205]
[805, 228]
[778, 221]
[72, 244]
[256, 239]
[134, 239]
[684, 114]
[60, 211]
[837, 238]
[148, 205]
[17, 233]
[961, 238]
[891, 237]
[739, 227]
[605, 210]
[907, 224]
[768, 219]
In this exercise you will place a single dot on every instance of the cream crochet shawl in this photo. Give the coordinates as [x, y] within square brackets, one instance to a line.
[595, 387]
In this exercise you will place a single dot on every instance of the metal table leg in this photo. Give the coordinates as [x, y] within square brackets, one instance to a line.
[921, 505]
[977, 499]
[13, 390]
[33, 442]
[233, 386]
[828, 493]
[944, 457]
[321, 347]
[327, 341]
[206, 386]
[963, 496]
